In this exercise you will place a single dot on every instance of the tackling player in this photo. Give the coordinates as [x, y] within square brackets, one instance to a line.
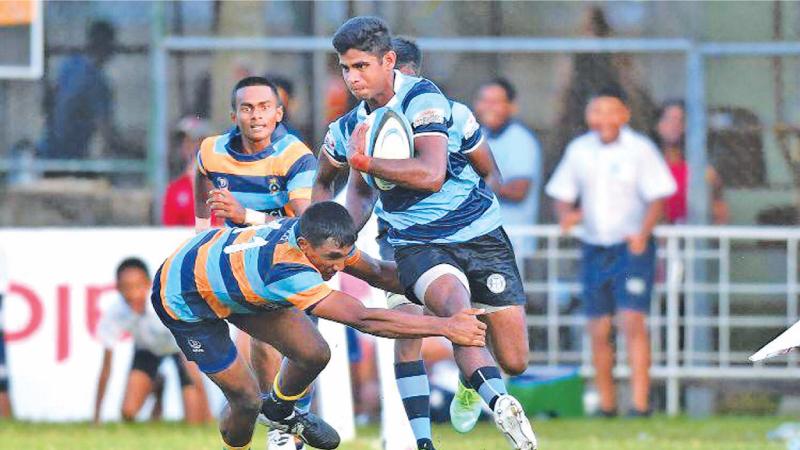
[254, 173]
[444, 223]
[263, 279]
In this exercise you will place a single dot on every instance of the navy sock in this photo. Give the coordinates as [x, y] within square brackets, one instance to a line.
[412, 382]
[489, 384]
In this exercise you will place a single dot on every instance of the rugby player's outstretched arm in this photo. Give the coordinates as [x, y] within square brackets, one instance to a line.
[424, 172]
[378, 273]
[462, 329]
[360, 199]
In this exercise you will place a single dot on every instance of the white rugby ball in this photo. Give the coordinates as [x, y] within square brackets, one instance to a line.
[389, 137]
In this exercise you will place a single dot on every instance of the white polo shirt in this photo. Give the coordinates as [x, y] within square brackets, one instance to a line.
[147, 330]
[615, 183]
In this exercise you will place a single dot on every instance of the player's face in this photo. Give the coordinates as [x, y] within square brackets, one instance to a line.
[134, 286]
[670, 125]
[367, 75]
[257, 113]
[606, 116]
[493, 107]
[328, 257]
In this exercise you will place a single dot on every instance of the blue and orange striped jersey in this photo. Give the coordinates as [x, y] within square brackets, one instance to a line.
[240, 271]
[263, 181]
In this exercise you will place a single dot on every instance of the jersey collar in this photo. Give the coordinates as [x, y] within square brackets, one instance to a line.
[234, 144]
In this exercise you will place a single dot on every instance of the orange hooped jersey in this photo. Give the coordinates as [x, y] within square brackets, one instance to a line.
[265, 181]
[240, 271]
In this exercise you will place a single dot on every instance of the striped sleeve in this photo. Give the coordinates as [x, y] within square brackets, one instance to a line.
[468, 128]
[334, 146]
[298, 284]
[300, 176]
[427, 109]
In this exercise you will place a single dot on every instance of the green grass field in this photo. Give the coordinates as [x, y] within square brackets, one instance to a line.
[720, 433]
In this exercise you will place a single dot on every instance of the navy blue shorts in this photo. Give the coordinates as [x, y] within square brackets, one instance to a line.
[614, 278]
[488, 262]
[206, 342]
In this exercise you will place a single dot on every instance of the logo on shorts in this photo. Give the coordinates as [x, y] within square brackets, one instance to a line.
[222, 182]
[496, 283]
[196, 346]
[635, 286]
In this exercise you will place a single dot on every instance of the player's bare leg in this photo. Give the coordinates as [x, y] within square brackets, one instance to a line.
[5, 406]
[266, 361]
[603, 360]
[638, 344]
[446, 296]
[136, 391]
[507, 331]
[238, 418]
[195, 399]
[412, 382]
[306, 353]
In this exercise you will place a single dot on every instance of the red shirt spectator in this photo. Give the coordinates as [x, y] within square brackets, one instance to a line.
[179, 202]
[675, 209]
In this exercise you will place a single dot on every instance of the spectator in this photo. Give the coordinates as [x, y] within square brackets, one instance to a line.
[286, 93]
[517, 154]
[621, 181]
[5, 401]
[178, 207]
[590, 72]
[153, 343]
[82, 101]
[670, 137]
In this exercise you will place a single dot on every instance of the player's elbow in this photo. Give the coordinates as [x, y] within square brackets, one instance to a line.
[433, 180]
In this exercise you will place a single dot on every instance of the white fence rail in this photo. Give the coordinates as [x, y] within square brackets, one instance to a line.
[721, 293]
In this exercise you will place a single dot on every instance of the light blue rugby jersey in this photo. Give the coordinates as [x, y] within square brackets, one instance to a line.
[465, 207]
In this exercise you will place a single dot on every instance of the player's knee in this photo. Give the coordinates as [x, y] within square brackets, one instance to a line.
[321, 357]
[515, 365]
[246, 403]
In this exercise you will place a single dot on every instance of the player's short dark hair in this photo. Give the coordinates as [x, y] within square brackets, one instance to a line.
[408, 53]
[505, 85]
[282, 82]
[132, 263]
[253, 81]
[365, 33]
[327, 220]
[610, 90]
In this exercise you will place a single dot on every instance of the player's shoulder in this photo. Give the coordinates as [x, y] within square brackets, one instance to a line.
[212, 144]
[415, 88]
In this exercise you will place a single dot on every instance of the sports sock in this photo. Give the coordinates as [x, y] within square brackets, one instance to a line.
[412, 382]
[304, 403]
[276, 405]
[488, 383]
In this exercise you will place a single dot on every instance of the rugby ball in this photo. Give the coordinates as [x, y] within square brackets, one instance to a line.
[389, 136]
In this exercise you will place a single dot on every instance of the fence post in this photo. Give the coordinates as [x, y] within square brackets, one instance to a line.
[674, 274]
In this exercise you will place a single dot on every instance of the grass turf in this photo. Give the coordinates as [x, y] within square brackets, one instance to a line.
[658, 433]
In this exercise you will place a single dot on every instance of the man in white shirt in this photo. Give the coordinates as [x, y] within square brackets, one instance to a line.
[153, 342]
[517, 154]
[620, 180]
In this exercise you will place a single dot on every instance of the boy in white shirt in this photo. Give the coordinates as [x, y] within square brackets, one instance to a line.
[153, 343]
[620, 180]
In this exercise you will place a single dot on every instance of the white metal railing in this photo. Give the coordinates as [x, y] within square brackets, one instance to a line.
[720, 294]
